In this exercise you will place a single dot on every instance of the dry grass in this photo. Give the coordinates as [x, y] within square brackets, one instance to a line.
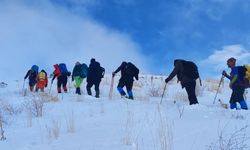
[54, 129]
[70, 122]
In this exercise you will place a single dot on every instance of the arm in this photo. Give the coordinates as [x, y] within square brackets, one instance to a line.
[27, 74]
[53, 77]
[172, 75]
[118, 69]
[174, 72]
[233, 80]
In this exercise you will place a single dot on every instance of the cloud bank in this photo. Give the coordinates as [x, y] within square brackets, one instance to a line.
[216, 62]
[44, 34]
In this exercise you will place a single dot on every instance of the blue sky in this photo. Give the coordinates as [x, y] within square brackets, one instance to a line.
[150, 33]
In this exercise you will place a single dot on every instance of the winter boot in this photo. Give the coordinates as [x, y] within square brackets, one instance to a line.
[59, 90]
[97, 94]
[89, 92]
[131, 97]
[78, 91]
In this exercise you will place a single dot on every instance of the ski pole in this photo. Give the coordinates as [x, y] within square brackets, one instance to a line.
[163, 92]
[222, 77]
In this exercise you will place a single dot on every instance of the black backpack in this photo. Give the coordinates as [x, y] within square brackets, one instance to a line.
[242, 70]
[132, 70]
[190, 70]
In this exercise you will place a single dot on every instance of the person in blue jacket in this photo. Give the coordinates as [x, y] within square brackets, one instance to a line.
[32, 74]
[236, 84]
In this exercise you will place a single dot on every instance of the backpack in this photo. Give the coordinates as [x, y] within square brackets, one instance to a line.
[244, 75]
[190, 70]
[84, 70]
[63, 68]
[102, 72]
[41, 76]
[35, 68]
[247, 74]
[132, 70]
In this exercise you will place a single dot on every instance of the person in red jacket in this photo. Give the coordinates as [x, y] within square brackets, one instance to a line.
[61, 73]
[42, 81]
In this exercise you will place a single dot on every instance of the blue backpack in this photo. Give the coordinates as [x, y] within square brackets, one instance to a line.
[35, 68]
[84, 70]
[63, 68]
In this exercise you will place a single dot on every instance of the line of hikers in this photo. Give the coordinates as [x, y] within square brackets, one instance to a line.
[94, 73]
[186, 71]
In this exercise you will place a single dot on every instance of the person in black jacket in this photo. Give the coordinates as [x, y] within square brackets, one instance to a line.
[128, 72]
[94, 77]
[187, 82]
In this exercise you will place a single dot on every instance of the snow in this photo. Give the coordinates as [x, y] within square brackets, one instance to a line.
[72, 122]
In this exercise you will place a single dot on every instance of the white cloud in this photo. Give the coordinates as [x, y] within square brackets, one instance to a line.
[217, 60]
[49, 35]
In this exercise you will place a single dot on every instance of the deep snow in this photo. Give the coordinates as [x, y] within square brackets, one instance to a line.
[73, 122]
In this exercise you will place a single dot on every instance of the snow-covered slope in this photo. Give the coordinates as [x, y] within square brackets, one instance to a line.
[71, 122]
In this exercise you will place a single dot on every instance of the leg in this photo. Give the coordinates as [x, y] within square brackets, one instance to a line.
[120, 86]
[190, 88]
[59, 84]
[129, 86]
[97, 90]
[237, 96]
[32, 85]
[65, 80]
[78, 82]
[233, 105]
[243, 105]
[88, 87]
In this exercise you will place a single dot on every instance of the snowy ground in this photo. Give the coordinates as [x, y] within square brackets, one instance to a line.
[72, 122]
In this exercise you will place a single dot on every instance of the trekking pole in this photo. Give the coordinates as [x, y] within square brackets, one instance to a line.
[222, 77]
[163, 92]
[69, 83]
[50, 86]
[24, 92]
[23, 84]
[111, 87]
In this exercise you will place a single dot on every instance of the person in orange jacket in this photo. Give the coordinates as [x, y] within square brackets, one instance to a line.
[42, 80]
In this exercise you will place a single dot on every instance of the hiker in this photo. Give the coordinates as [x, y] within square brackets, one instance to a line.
[237, 84]
[187, 73]
[79, 73]
[32, 74]
[42, 81]
[128, 72]
[94, 77]
[61, 73]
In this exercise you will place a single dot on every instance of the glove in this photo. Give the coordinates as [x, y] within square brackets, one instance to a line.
[224, 73]
[46, 85]
[166, 80]
[72, 79]
[113, 74]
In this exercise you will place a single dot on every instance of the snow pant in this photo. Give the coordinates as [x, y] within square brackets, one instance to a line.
[97, 91]
[190, 89]
[32, 83]
[129, 85]
[40, 85]
[238, 96]
[62, 82]
[78, 81]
